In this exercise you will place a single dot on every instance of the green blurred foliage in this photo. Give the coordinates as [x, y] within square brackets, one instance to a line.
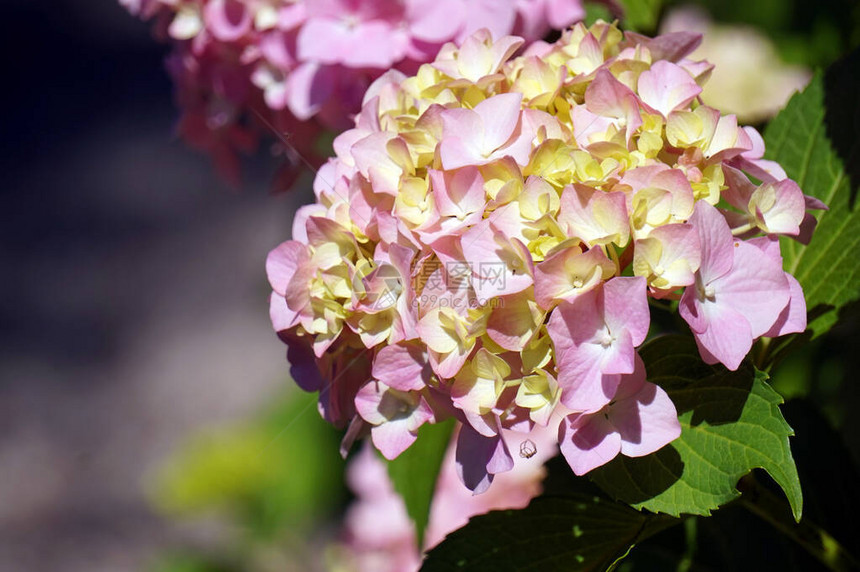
[641, 15]
[190, 563]
[280, 471]
[597, 11]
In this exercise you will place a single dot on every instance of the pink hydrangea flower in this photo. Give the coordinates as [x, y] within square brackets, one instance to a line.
[485, 243]
[243, 68]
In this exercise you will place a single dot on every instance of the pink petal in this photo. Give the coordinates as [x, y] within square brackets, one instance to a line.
[514, 322]
[691, 309]
[486, 424]
[728, 337]
[572, 328]
[792, 319]
[519, 146]
[292, 16]
[382, 158]
[392, 438]
[304, 368]
[283, 262]
[447, 365]
[309, 86]
[368, 402]
[458, 192]
[462, 138]
[807, 227]
[500, 266]
[673, 46]
[739, 190]
[630, 384]
[282, 317]
[715, 240]
[480, 458]
[403, 366]
[575, 323]
[372, 44]
[726, 140]
[492, 16]
[756, 287]
[228, 20]
[788, 212]
[626, 307]
[588, 441]
[396, 416]
[667, 87]
[680, 255]
[435, 21]
[562, 13]
[646, 421]
[356, 429]
[607, 96]
[751, 160]
[583, 385]
[594, 216]
[297, 294]
[586, 123]
[556, 277]
[499, 116]
[619, 357]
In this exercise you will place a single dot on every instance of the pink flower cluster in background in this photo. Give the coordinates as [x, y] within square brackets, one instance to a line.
[486, 241]
[380, 537]
[245, 67]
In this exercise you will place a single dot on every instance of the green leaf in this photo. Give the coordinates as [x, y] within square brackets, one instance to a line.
[415, 471]
[641, 15]
[576, 532]
[730, 424]
[827, 268]
[831, 499]
[597, 11]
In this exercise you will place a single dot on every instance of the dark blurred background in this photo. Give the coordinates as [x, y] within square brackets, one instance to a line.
[133, 298]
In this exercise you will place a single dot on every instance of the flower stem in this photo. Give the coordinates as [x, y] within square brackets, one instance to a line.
[690, 534]
[814, 539]
[743, 228]
[762, 354]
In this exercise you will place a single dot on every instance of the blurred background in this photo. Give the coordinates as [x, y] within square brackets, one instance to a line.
[147, 420]
[134, 305]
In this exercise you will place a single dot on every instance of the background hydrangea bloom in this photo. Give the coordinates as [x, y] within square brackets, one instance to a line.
[378, 535]
[749, 79]
[521, 228]
[245, 67]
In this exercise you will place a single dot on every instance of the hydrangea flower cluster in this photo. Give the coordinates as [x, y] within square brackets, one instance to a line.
[489, 236]
[296, 60]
